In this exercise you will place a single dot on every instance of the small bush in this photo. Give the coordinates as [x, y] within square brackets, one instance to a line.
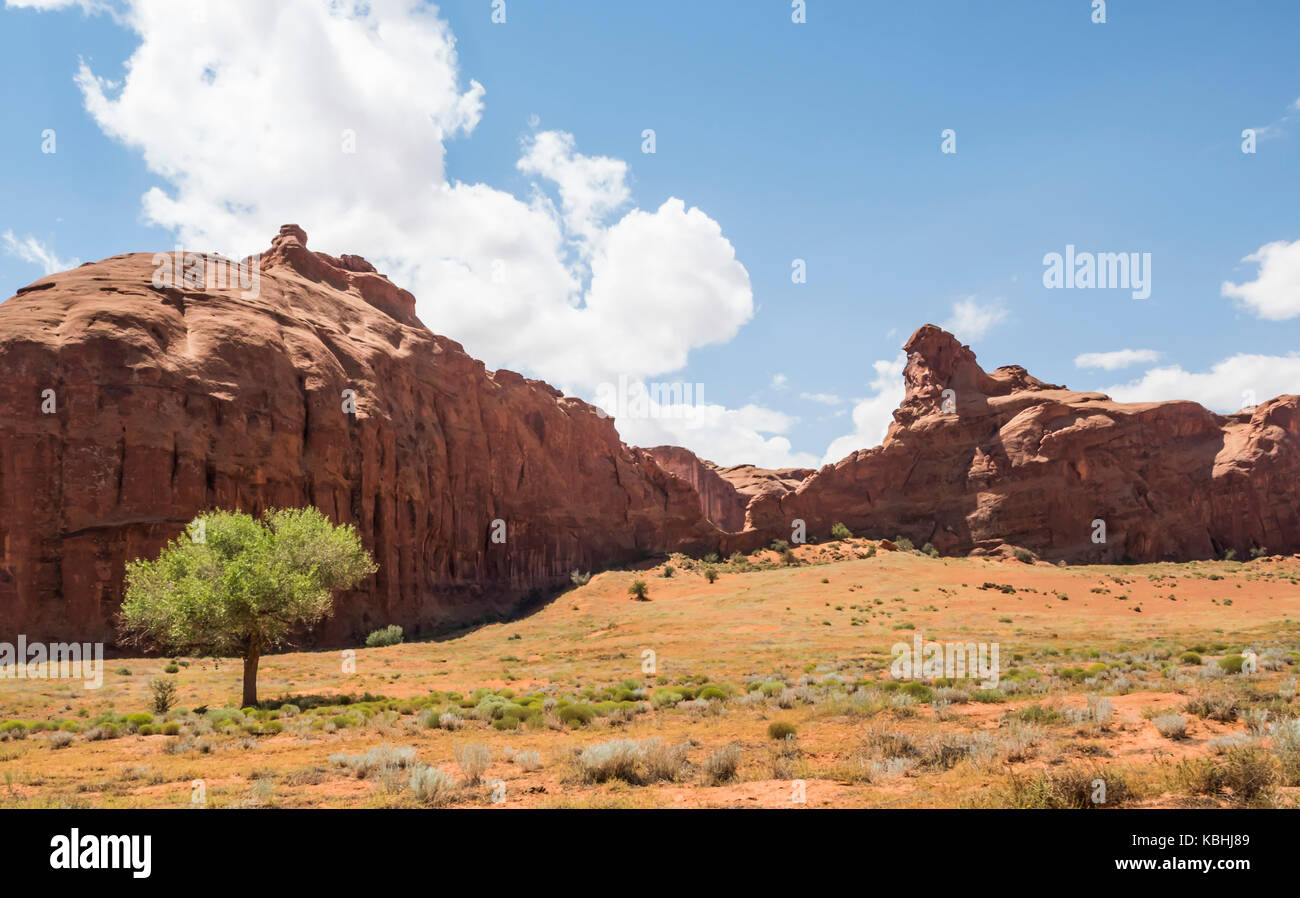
[1189, 658]
[163, 694]
[172, 668]
[473, 759]
[609, 760]
[781, 729]
[710, 574]
[576, 715]
[720, 767]
[390, 635]
[579, 579]
[1024, 556]
[1232, 663]
[1171, 726]
[839, 531]
[639, 591]
[431, 786]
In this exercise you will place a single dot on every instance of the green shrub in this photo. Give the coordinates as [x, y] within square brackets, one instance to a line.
[781, 729]
[576, 715]
[579, 579]
[1190, 658]
[172, 668]
[839, 531]
[1232, 663]
[710, 574]
[390, 635]
[1024, 556]
[639, 591]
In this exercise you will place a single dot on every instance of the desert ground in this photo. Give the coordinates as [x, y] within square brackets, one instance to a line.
[768, 687]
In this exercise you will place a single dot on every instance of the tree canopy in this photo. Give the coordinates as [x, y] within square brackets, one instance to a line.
[234, 585]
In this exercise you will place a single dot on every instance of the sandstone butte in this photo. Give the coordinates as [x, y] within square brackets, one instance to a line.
[168, 401]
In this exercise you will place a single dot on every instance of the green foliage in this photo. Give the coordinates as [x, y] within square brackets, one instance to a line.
[576, 715]
[780, 729]
[579, 579]
[903, 543]
[234, 585]
[839, 531]
[639, 591]
[1232, 663]
[1024, 556]
[711, 574]
[390, 635]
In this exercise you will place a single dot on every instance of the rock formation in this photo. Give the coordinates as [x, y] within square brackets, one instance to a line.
[1015, 462]
[132, 403]
[726, 492]
[129, 407]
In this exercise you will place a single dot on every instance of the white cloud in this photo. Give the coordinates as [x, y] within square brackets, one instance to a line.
[750, 434]
[873, 415]
[780, 381]
[29, 249]
[1230, 385]
[1275, 293]
[823, 398]
[1113, 361]
[247, 128]
[970, 321]
[590, 188]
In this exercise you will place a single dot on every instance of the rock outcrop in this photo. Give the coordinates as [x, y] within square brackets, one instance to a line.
[1005, 460]
[129, 407]
[726, 492]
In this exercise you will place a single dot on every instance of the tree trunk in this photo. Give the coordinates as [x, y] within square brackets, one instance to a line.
[250, 676]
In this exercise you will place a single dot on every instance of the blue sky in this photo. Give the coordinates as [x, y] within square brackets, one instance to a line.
[819, 141]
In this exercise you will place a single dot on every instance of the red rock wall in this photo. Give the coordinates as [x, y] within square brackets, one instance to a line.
[1021, 463]
[170, 402]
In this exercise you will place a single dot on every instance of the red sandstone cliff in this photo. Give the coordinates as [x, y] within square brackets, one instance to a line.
[1019, 462]
[726, 492]
[170, 401]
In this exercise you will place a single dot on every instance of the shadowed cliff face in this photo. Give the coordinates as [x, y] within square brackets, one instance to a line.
[1012, 461]
[169, 400]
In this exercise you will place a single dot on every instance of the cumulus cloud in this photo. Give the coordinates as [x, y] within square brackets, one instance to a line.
[1234, 383]
[780, 381]
[645, 416]
[1113, 361]
[29, 249]
[1274, 294]
[336, 115]
[970, 320]
[872, 415]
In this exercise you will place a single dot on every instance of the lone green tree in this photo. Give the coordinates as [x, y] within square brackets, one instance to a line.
[236, 586]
